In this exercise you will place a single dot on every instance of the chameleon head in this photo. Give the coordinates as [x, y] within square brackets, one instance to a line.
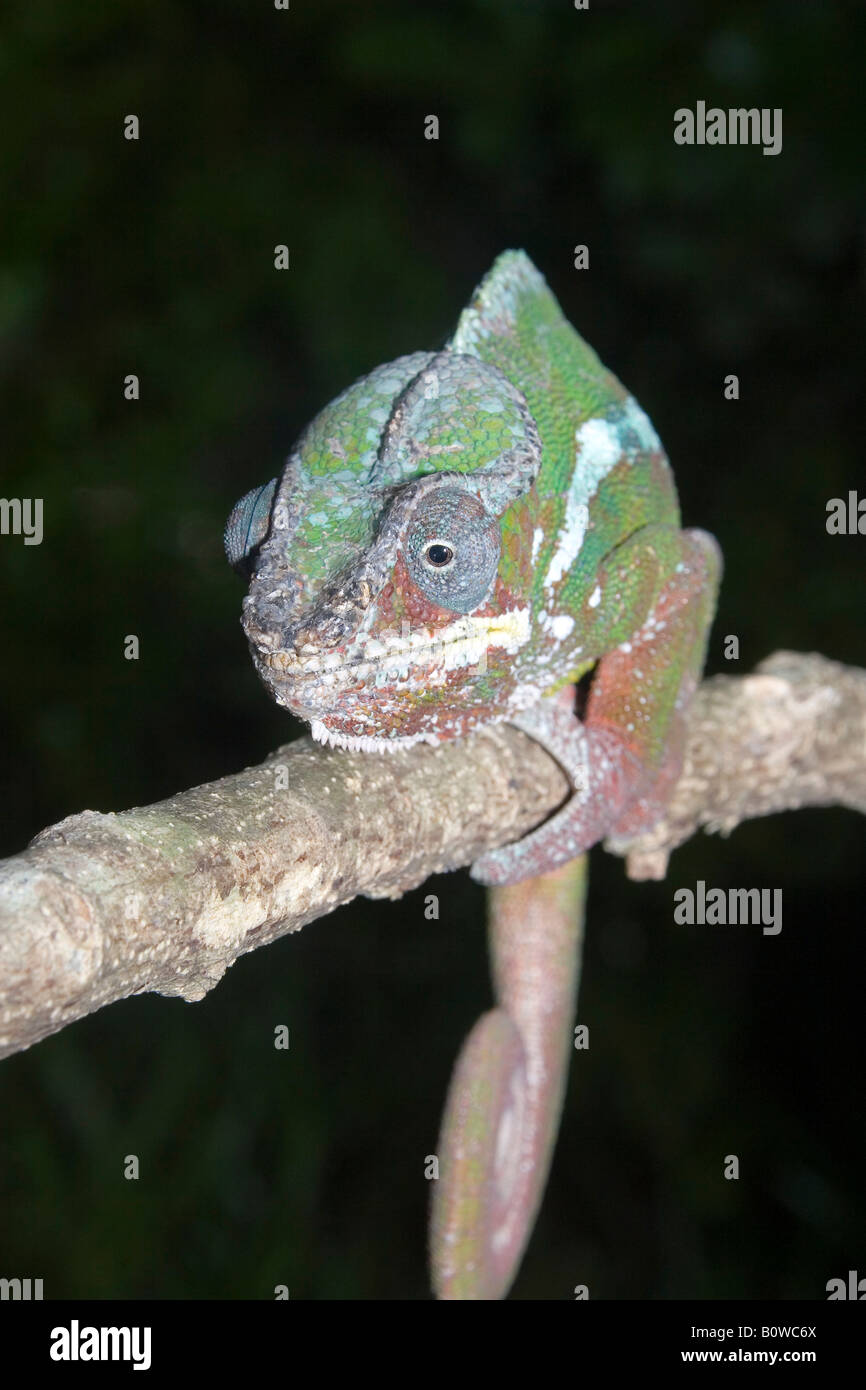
[384, 605]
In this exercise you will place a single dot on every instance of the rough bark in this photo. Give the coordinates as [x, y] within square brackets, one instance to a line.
[166, 897]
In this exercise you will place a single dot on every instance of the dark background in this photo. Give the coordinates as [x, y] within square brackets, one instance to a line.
[156, 257]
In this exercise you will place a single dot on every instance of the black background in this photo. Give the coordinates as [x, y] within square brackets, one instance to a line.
[307, 127]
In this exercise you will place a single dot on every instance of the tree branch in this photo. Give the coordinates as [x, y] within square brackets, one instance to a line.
[166, 897]
[792, 734]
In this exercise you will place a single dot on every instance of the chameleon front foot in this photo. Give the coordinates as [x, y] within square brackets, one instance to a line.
[605, 775]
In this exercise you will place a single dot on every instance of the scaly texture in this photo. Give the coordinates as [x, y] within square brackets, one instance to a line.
[506, 1093]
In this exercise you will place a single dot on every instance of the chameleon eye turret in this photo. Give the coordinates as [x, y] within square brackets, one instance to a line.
[452, 549]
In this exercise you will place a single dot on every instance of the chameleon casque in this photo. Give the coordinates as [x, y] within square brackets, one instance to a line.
[457, 540]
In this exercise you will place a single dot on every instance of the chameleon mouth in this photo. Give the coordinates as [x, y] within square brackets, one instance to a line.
[395, 658]
[368, 743]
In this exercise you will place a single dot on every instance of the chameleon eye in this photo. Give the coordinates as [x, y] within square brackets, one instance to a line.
[452, 548]
[439, 554]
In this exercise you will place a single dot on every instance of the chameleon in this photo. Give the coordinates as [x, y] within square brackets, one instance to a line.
[461, 537]
[472, 535]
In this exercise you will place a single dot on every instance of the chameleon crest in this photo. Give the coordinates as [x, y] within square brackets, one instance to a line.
[461, 535]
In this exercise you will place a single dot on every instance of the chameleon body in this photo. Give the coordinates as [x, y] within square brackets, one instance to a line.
[459, 538]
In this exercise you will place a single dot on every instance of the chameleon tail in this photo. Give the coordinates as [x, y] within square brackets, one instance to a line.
[505, 1098]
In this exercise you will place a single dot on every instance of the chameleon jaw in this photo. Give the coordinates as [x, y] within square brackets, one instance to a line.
[348, 697]
[427, 652]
